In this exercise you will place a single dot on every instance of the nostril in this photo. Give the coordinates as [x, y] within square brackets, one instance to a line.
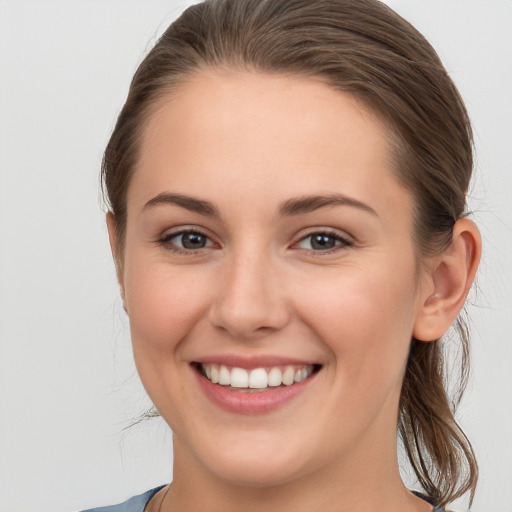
[249, 321]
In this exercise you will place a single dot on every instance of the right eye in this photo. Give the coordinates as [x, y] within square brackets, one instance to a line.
[185, 241]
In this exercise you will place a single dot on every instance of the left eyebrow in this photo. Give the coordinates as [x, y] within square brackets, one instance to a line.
[308, 204]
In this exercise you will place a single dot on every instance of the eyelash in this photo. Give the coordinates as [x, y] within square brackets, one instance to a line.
[340, 242]
[165, 241]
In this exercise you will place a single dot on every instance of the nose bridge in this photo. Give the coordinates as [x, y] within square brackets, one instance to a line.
[250, 299]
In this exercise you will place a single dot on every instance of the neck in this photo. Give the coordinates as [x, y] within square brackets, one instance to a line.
[356, 484]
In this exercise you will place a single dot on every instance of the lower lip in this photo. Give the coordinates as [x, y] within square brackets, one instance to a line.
[252, 403]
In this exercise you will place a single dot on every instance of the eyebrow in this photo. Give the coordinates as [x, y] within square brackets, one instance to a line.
[189, 203]
[294, 206]
[307, 204]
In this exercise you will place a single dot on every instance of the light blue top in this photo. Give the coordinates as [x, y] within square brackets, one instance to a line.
[138, 503]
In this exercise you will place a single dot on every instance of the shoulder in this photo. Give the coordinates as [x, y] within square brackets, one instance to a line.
[428, 499]
[134, 504]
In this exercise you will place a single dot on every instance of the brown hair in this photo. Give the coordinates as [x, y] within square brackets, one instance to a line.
[364, 48]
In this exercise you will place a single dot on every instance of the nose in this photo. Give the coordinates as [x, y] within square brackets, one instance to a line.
[251, 301]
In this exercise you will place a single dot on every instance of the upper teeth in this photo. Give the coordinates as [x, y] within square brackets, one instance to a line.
[257, 378]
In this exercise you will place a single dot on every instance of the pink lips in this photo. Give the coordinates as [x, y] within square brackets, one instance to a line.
[247, 402]
[254, 361]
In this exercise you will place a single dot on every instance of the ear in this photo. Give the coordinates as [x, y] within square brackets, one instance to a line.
[449, 280]
[114, 247]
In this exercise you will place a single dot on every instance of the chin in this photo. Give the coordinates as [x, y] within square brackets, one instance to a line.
[259, 462]
[258, 473]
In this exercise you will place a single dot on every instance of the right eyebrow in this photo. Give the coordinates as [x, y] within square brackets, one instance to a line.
[189, 203]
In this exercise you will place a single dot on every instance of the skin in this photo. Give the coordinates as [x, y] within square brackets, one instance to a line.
[248, 143]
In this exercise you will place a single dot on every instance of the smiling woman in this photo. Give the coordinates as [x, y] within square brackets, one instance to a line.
[68, 386]
[287, 184]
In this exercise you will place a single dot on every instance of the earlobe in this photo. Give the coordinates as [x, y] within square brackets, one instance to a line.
[114, 247]
[450, 279]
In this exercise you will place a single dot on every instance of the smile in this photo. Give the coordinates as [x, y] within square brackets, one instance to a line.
[254, 390]
[256, 378]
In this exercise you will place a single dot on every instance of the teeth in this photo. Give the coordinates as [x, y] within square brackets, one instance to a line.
[275, 377]
[257, 378]
[224, 376]
[239, 378]
[288, 376]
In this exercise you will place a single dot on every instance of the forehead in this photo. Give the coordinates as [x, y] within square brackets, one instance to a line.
[275, 135]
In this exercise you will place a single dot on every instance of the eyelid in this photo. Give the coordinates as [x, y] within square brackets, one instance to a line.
[165, 239]
[346, 241]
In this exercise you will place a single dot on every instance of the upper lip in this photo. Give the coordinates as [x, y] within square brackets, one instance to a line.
[256, 361]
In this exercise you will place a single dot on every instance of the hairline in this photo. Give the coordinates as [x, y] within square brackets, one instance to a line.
[397, 146]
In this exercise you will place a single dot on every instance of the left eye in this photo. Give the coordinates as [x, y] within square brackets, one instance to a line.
[322, 242]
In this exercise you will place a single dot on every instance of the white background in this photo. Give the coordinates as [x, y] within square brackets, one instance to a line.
[67, 383]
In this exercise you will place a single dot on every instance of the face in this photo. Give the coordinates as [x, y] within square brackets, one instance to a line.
[270, 277]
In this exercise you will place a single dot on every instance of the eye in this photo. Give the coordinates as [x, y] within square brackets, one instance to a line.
[323, 241]
[186, 241]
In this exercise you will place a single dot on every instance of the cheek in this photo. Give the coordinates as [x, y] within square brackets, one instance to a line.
[364, 314]
[164, 304]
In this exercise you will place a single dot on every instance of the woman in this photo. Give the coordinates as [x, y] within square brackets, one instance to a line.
[287, 187]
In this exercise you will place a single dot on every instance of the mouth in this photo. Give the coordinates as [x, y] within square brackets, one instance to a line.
[258, 379]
